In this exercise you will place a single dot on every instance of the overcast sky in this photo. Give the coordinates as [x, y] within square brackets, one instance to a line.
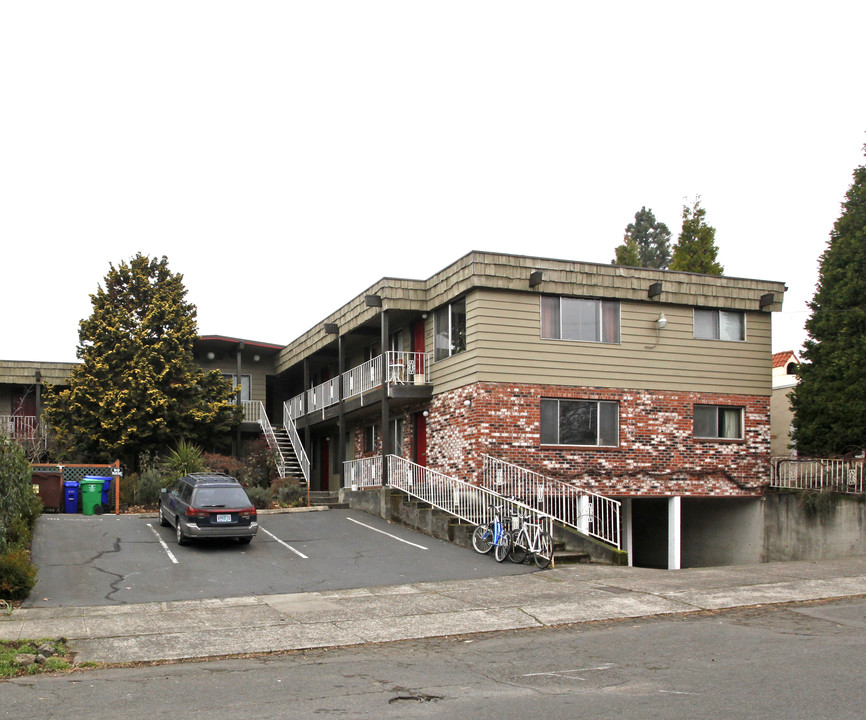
[284, 156]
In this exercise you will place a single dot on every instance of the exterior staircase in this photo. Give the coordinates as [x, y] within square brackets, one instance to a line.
[292, 468]
[326, 498]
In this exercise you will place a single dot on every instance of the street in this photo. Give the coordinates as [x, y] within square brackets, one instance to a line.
[796, 661]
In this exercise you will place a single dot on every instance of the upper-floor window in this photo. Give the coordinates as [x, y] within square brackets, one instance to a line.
[566, 318]
[246, 382]
[450, 329]
[579, 422]
[720, 325]
[718, 422]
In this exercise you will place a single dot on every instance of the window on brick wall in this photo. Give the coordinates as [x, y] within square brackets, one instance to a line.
[720, 325]
[579, 422]
[718, 422]
[566, 318]
[449, 329]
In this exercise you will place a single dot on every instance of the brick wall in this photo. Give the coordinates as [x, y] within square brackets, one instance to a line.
[657, 452]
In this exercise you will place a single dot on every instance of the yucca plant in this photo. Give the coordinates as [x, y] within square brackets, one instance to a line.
[186, 458]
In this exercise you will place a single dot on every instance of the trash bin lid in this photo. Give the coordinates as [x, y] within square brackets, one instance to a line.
[70, 483]
[90, 482]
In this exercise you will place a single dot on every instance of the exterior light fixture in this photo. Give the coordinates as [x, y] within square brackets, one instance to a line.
[766, 300]
[332, 328]
[535, 278]
[373, 301]
[211, 355]
[425, 413]
[662, 322]
[654, 290]
[467, 402]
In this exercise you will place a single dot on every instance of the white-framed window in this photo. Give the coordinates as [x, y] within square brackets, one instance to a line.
[720, 325]
[449, 328]
[579, 422]
[585, 319]
[246, 384]
[718, 422]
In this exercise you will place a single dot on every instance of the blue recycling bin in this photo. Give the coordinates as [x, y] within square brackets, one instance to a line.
[70, 496]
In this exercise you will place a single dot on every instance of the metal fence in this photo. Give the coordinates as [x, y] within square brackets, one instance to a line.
[843, 476]
[586, 512]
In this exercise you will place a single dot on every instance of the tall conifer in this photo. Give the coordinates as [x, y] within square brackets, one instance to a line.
[830, 400]
[137, 387]
[696, 249]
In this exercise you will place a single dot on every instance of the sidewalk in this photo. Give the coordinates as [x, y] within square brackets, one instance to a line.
[570, 594]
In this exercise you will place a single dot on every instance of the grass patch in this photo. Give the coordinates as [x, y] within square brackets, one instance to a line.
[10, 649]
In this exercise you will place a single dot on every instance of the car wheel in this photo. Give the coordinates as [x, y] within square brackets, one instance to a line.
[162, 521]
[245, 540]
[178, 530]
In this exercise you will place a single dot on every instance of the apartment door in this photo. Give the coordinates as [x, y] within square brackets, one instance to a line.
[420, 439]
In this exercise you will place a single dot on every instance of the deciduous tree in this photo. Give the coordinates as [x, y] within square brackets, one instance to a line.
[830, 400]
[138, 388]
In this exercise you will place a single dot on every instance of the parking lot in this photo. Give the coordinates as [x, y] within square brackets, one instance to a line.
[108, 559]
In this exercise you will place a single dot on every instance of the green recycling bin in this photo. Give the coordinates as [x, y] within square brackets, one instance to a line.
[91, 496]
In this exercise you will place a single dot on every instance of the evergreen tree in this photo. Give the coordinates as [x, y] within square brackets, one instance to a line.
[138, 387]
[646, 242]
[627, 253]
[830, 400]
[696, 249]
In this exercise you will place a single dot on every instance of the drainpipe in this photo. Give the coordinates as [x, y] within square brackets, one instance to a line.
[386, 420]
[238, 398]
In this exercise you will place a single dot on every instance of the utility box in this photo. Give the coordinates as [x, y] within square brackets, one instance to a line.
[49, 487]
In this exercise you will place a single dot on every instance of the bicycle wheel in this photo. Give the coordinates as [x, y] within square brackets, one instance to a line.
[518, 548]
[482, 539]
[544, 554]
[503, 546]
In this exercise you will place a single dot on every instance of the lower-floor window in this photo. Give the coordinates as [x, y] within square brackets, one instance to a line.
[718, 422]
[371, 438]
[579, 422]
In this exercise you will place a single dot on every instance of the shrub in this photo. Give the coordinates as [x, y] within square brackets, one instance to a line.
[292, 495]
[149, 485]
[260, 464]
[186, 458]
[222, 464]
[17, 500]
[17, 574]
[260, 497]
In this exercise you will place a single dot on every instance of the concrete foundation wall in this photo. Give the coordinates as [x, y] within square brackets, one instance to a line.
[728, 532]
[813, 527]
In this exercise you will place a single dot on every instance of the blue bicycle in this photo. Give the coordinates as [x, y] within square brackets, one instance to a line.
[491, 535]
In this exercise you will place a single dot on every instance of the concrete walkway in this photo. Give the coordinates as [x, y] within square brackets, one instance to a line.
[570, 594]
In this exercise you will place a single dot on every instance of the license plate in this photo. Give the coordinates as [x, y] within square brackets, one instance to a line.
[223, 518]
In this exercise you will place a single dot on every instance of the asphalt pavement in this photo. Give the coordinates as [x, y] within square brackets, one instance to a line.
[194, 629]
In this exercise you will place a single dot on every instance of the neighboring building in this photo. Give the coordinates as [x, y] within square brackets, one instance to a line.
[645, 385]
[784, 366]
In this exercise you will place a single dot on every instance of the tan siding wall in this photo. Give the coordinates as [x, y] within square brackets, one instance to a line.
[505, 338]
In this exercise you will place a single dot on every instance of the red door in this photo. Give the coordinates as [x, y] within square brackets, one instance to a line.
[420, 439]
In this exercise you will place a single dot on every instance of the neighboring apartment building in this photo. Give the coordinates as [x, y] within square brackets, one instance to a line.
[645, 385]
[784, 371]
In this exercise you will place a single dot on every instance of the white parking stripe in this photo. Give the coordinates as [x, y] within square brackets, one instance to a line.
[162, 542]
[284, 544]
[370, 527]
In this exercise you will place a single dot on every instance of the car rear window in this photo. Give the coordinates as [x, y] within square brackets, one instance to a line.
[205, 497]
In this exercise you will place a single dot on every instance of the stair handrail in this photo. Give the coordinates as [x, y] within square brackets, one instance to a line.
[467, 501]
[254, 411]
[587, 512]
[295, 439]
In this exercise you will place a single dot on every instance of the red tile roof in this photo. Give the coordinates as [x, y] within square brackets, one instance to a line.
[781, 359]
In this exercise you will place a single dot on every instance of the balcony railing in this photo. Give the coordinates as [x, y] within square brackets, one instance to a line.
[842, 476]
[403, 368]
[21, 427]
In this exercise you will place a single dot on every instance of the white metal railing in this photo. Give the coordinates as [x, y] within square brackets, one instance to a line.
[586, 512]
[21, 427]
[297, 445]
[254, 411]
[408, 368]
[364, 472]
[362, 378]
[323, 395]
[845, 476]
[295, 406]
[472, 503]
